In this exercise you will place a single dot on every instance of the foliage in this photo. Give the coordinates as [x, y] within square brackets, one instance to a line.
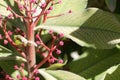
[91, 25]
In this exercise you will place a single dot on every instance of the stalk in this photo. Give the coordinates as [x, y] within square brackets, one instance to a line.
[30, 50]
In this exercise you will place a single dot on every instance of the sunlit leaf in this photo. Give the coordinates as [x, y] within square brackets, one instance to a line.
[113, 73]
[91, 28]
[59, 75]
[4, 4]
[66, 5]
[56, 66]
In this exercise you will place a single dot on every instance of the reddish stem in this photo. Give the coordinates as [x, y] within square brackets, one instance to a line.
[45, 60]
[42, 44]
[11, 41]
[55, 16]
[42, 12]
[30, 49]
[42, 62]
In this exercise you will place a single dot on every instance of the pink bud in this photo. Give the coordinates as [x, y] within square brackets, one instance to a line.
[34, 11]
[43, 5]
[16, 67]
[37, 36]
[60, 61]
[10, 32]
[44, 55]
[52, 60]
[61, 43]
[22, 64]
[60, 1]
[17, 29]
[47, 11]
[21, 7]
[8, 8]
[37, 78]
[37, 42]
[18, 76]
[61, 35]
[7, 77]
[50, 31]
[24, 78]
[36, 71]
[10, 16]
[32, 1]
[1, 36]
[23, 34]
[5, 42]
[51, 8]
[0, 16]
[58, 51]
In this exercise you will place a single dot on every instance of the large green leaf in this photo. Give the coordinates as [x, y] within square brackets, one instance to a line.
[59, 75]
[113, 73]
[93, 64]
[93, 27]
[66, 5]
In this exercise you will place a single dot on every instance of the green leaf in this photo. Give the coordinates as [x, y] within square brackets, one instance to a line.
[93, 64]
[46, 75]
[6, 54]
[16, 72]
[113, 73]
[3, 6]
[3, 49]
[59, 75]
[66, 5]
[8, 65]
[111, 4]
[91, 28]
[8, 59]
[56, 66]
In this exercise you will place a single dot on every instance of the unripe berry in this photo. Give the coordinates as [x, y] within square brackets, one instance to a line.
[61, 43]
[5, 42]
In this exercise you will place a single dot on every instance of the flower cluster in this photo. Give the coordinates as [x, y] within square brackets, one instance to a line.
[52, 49]
[30, 12]
[22, 75]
